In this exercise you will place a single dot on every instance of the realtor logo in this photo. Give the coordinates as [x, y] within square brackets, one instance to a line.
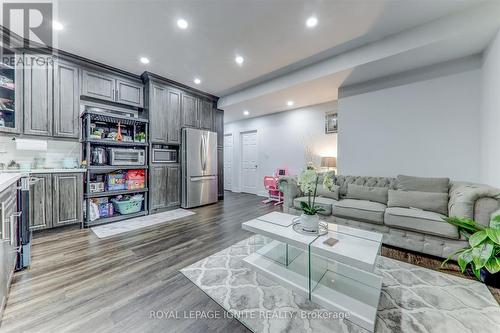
[31, 21]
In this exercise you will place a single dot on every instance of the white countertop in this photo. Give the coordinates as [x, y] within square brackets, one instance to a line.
[61, 170]
[7, 179]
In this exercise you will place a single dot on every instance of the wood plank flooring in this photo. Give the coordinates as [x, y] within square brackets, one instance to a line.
[80, 283]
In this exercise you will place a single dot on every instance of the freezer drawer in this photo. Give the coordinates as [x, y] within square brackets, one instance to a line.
[199, 190]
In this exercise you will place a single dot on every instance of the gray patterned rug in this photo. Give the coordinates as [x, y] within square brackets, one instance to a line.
[413, 299]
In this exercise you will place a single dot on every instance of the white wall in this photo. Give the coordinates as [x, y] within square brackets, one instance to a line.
[428, 127]
[490, 115]
[282, 138]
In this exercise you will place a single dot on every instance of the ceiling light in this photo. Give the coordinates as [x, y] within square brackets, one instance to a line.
[57, 25]
[239, 60]
[197, 81]
[289, 103]
[246, 113]
[144, 60]
[312, 22]
[182, 23]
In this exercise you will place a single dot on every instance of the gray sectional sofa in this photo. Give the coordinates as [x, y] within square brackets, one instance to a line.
[408, 211]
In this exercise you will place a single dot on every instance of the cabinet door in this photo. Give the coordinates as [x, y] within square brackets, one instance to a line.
[158, 111]
[67, 198]
[220, 172]
[38, 97]
[205, 115]
[66, 101]
[173, 188]
[40, 211]
[189, 111]
[219, 127]
[174, 116]
[98, 85]
[12, 112]
[131, 93]
[158, 187]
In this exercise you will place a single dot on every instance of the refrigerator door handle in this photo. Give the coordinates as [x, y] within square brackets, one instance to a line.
[202, 178]
[202, 152]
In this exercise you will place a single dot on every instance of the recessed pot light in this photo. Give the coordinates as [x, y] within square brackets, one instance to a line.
[312, 22]
[182, 23]
[197, 81]
[57, 25]
[239, 60]
[246, 113]
[290, 103]
[144, 60]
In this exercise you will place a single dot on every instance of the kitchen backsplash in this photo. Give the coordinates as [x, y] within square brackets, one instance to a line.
[57, 151]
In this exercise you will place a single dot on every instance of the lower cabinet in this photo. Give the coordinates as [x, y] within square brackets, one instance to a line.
[55, 200]
[164, 186]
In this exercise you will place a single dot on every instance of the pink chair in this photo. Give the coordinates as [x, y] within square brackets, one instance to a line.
[273, 192]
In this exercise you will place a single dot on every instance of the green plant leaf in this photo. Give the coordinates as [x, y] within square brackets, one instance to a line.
[304, 205]
[493, 234]
[493, 265]
[464, 224]
[477, 272]
[495, 223]
[477, 238]
[450, 257]
[464, 259]
[481, 254]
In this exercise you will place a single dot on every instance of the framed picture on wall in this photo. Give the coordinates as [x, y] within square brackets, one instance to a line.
[331, 123]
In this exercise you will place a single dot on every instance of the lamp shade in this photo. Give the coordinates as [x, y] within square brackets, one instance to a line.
[329, 162]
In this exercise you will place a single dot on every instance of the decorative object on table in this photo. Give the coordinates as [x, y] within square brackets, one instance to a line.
[298, 227]
[331, 123]
[328, 162]
[483, 253]
[308, 181]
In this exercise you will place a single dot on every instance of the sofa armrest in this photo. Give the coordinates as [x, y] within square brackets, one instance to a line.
[288, 185]
[474, 201]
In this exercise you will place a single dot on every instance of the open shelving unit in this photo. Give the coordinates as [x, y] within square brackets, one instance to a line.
[88, 142]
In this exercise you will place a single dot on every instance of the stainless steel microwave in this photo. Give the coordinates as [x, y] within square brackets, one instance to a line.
[123, 156]
[161, 155]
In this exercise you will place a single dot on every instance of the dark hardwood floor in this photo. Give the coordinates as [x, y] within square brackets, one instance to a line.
[80, 283]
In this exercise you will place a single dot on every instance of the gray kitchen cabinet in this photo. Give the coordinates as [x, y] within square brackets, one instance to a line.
[67, 198]
[98, 85]
[38, 96]
[108, 87]
[13, 115]
[173, 185]
[158, 187]
[158, 115]
[189, 111]
[40, 208]
[174, 116]
[205, 115]
[66, 101]
[219, 127]
[128, 92]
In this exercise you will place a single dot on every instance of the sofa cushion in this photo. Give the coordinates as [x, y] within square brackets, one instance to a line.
[322, 191]
[360, 210]
[370, 193]
[429, 201]
[423, 184]
[418, 220]
[325, 203]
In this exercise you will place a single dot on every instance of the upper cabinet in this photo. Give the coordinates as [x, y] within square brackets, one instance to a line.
[205, 114]
[174, 116]
[189, 112]
[112, 88]
[219, 127]
[158, 113]
[66, 100]
[11, 88]
[38, 96]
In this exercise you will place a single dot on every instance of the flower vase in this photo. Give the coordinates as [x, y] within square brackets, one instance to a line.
[309, 222]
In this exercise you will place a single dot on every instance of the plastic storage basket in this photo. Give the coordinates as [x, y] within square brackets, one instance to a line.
[124, 207]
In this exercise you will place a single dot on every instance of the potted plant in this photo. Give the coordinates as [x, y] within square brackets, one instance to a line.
[308, 182]
[483, 253]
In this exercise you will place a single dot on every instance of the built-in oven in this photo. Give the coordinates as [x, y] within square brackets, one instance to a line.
[164, 155]
[124, 156]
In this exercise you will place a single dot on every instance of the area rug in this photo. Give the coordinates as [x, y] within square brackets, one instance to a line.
[413, 299]
[113, 229]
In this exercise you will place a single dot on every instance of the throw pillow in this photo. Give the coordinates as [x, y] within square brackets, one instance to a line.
[370, 193]
[322, 191]
[423, 184]
[429, 201]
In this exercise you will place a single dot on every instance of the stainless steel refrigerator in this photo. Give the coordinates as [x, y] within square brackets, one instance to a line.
[199, 167]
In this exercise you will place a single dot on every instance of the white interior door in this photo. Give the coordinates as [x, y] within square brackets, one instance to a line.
[249, 162]
[228, 162]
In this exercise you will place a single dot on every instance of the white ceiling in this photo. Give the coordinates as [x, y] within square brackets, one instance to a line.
[269, 34]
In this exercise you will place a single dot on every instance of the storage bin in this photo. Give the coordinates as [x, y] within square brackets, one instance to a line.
[133, 205]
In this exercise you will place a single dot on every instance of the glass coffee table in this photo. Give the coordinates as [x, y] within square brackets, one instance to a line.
[339, 278]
